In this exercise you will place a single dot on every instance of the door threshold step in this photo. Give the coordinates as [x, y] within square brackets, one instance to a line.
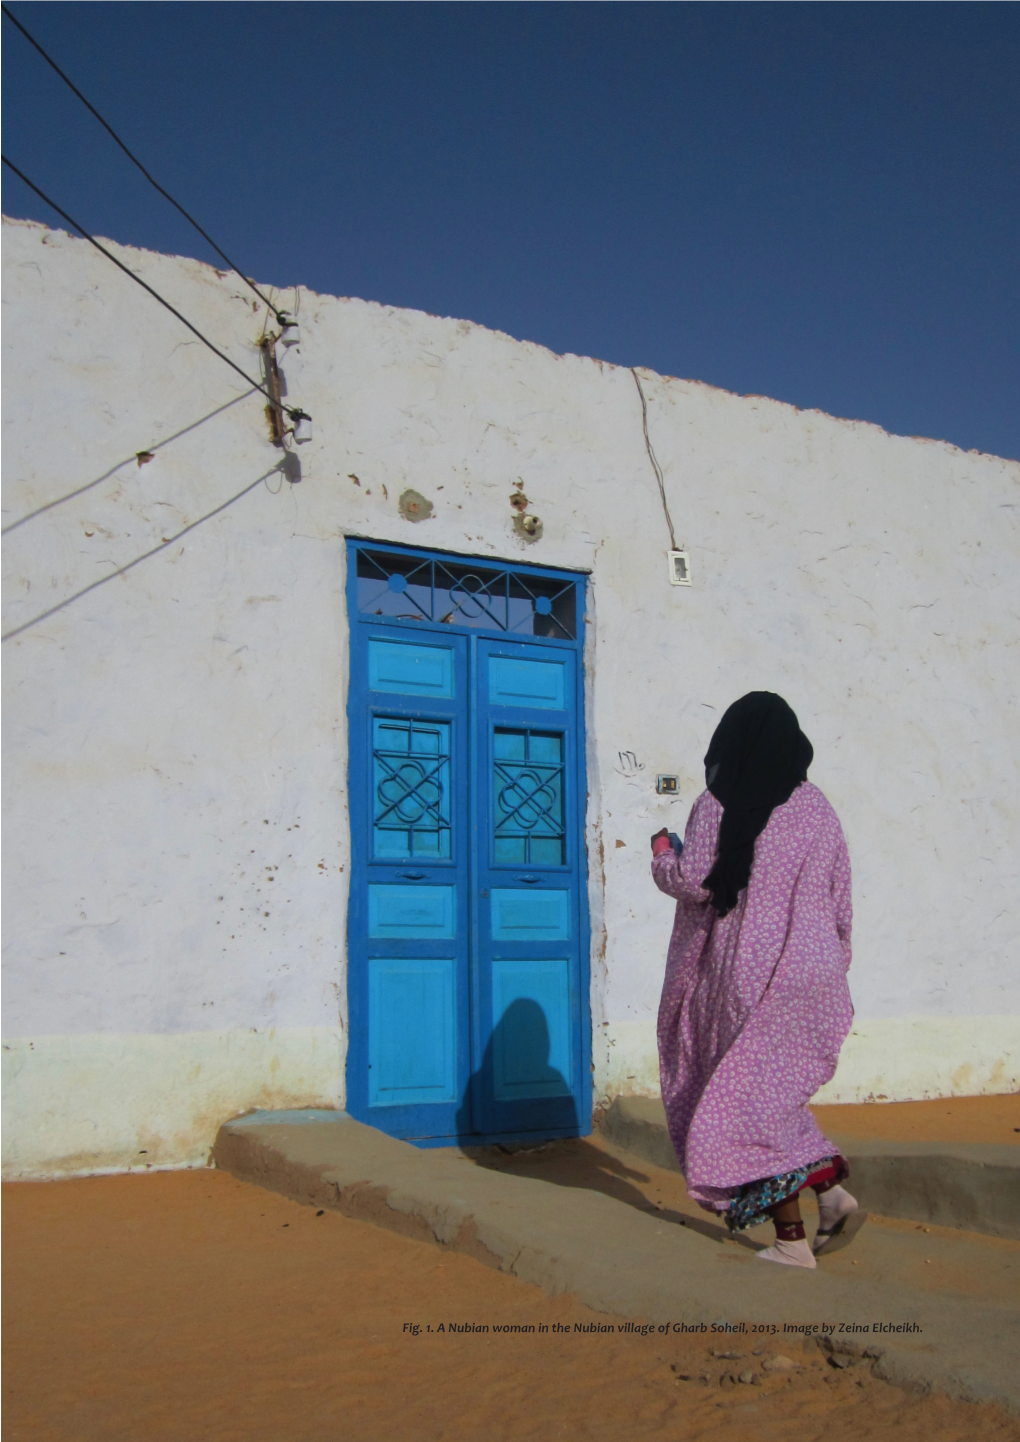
[614, 1257]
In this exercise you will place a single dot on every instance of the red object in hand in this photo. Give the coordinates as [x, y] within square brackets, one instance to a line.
[660, 842]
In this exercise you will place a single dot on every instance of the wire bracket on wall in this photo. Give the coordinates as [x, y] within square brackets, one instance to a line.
[302, 428]
[274, 409]
[279, 432]
[679, 561]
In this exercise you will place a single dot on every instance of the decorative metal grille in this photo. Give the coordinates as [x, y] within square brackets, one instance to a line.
[411, 784]
[394, 586]
[528, 813]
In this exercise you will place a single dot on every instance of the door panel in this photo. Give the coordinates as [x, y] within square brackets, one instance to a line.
[412, 1028]
[531, 1021]
[530, 915]
[408, 991]
[467, 922]
[528, 956]
[517, 682]
[410, 670]
[421, 913]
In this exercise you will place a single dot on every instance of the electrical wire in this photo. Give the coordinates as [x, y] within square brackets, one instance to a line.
[135, 161]
[295, 413]
[655, 464]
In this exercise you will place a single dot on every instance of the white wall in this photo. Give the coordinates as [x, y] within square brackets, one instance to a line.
[177, 737]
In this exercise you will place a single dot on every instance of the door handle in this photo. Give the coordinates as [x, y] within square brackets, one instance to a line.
[529, 880]
[412, 875]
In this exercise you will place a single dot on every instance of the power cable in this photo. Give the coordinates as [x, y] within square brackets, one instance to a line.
[135, 161]
[655, 464]
[294, 413]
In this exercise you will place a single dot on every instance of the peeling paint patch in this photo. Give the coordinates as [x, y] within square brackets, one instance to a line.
[413, 506]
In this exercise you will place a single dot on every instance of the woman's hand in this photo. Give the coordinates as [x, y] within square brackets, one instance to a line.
[662, 835]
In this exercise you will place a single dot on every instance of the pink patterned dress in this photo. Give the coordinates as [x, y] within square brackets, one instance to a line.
[755, 1005]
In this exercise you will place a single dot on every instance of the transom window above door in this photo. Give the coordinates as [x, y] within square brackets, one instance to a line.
[402, 586]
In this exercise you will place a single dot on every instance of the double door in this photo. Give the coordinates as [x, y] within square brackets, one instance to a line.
[466, 926]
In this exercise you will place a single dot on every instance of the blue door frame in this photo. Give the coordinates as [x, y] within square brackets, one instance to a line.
[468, 937]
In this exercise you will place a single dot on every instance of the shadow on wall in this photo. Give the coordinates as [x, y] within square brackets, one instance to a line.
[515, 1069]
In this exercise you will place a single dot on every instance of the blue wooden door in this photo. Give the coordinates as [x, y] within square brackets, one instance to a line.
[527, 1042]
[467, 923]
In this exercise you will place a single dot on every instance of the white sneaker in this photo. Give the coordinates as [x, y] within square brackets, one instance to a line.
[790, 1254]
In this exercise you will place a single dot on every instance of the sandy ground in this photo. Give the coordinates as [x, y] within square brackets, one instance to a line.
[188, 1305]
[952, 1119]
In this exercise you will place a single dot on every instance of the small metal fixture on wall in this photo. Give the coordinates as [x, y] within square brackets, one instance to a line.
[666, 785]
[679, 568]
[528, 526]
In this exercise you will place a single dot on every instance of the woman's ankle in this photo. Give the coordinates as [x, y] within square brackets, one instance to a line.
[789, 1231]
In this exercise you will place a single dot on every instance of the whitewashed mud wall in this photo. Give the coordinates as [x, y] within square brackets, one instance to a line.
[176, 826]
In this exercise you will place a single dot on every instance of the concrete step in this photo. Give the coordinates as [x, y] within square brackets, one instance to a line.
[973, 1186]
[622, 1260]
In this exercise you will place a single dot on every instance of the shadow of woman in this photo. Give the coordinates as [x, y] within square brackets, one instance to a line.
[578, 1163]
[515, 1072]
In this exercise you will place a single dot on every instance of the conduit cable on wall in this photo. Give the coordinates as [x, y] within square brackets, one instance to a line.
[655, 464]
[135, 161]
[295, 413]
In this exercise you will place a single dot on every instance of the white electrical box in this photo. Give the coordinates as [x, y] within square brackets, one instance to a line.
[679, 568]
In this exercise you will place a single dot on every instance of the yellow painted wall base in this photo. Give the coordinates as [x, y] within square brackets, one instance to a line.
[103, 1102]
[74, 1104]
[888, 1059]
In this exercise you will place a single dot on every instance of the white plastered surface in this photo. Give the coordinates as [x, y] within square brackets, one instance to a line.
[176, 826]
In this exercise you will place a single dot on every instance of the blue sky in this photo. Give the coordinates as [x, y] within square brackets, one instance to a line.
[817, 202]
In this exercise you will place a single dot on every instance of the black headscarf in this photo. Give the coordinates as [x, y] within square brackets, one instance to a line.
[757, 758]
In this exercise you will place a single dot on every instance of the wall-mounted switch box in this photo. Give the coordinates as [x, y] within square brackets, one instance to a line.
[679, 568]
[667, 785]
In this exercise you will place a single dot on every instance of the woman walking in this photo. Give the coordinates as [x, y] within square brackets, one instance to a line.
[755, 1003]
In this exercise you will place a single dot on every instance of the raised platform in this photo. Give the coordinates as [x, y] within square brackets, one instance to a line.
[619, 1259]
[947, 1184]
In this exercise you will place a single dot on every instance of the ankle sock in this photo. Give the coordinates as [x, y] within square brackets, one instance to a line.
[834, 1202]
[789, 1254]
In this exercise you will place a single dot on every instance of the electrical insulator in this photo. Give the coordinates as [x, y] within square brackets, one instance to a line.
[290, 333]
[302, 427]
